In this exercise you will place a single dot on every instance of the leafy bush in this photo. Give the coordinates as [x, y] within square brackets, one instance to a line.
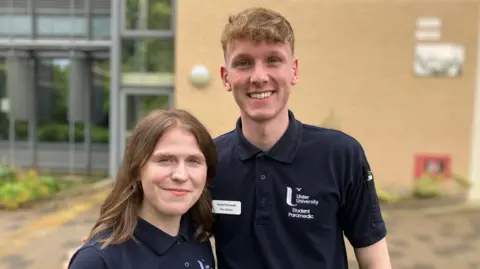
[387, 197]
[18, 187]
[428, 187]
[462, 180]
[60, 133]
[56, 132]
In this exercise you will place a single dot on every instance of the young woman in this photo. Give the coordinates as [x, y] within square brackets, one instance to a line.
[159, 213]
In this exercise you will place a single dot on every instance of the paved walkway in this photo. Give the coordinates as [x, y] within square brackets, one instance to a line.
[42, 240]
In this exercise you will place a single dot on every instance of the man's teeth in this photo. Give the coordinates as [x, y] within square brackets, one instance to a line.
[260, 95]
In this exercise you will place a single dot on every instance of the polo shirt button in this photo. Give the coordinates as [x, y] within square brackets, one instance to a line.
[263, 200]
[187, 264]
[263, 177]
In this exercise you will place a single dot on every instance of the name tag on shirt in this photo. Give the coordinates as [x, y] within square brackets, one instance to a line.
[227, 207]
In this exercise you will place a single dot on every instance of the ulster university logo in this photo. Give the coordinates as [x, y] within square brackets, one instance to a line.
[290, 196]
[203, 266]
[298, 200]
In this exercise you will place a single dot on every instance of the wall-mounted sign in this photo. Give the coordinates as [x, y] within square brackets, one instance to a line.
[438, 60]
[433, 165]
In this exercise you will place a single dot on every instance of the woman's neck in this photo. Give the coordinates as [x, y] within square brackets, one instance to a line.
[166, 223]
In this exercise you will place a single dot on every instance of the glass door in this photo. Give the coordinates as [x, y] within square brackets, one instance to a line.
[136, 104]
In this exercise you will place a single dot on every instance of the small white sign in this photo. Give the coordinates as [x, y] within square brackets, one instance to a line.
[5, 105]
[427, 35]
[440, 59]
[227, 207]
[429, 22]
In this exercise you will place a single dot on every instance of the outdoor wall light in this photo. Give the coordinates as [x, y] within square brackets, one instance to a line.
[199, 76]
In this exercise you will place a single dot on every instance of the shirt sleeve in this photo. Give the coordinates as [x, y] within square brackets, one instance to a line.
[360, 214]
[87, 258]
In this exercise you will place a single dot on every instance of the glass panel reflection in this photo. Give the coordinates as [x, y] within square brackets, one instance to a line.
[18, 25]
[138, 106]
[148, 15]
[149, 62]
[61, 25]
[3, 94]
[101, 27]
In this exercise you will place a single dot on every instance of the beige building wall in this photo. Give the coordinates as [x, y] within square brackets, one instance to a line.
[356, 66]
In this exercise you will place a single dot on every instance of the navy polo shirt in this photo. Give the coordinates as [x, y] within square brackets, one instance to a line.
[150, 248]
[291, 206]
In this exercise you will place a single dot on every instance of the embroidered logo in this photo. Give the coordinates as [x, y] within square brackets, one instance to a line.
[298, 200]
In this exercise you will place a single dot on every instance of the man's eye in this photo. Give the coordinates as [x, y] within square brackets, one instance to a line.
[273, 60]
[243, 63]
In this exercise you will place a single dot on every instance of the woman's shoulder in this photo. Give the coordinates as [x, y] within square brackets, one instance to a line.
[88, 256]
[92, 254]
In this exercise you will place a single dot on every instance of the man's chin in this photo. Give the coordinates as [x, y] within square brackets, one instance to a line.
[261, 116]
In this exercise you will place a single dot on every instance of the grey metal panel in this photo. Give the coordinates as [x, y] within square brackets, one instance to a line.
[19, 85]
[14, 11]
[64, 7]
[173, 15]
[15, 4]
[44, 89]
[145, 34]
[79, 86]
[79, 11]
[60, 44]
[102, 4]
[99, 55]
[88, 14]
[59, 4]
[115, 73]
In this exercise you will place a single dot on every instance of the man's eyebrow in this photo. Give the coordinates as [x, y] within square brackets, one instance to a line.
[241, 55]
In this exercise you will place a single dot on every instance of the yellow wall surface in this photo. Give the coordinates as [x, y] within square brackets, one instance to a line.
[356, 67]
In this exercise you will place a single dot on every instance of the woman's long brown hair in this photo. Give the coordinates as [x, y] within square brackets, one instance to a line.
[119, 212]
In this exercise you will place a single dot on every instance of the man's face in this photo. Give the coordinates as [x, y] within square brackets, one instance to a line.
[260, 77]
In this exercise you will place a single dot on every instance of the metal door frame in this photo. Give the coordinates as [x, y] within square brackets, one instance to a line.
[124, 93]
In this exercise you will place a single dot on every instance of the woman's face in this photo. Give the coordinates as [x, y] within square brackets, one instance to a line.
[174, 176]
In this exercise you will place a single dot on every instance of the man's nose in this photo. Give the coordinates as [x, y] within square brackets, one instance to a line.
[260, 75]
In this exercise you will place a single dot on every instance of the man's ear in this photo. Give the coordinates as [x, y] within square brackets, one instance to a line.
[224, 75]
[295, 71]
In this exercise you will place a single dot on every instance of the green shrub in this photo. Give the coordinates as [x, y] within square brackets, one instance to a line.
[55, 132]
[427, 187]
[19, 187]
[387, 197]
[7, 174]
[461, 180]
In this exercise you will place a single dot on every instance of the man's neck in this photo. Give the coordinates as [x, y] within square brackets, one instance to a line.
[168, 224]
[264, 135]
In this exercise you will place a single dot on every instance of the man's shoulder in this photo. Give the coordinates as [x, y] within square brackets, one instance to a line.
[225, 142]
[333, 138]
[225, 137]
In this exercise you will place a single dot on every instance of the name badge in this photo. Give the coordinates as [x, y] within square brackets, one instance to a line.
[227, 207]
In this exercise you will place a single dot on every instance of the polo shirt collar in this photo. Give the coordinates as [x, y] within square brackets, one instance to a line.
[156, 239]
[284, 150]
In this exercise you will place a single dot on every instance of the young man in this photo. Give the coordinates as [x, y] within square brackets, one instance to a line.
[286, 192]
